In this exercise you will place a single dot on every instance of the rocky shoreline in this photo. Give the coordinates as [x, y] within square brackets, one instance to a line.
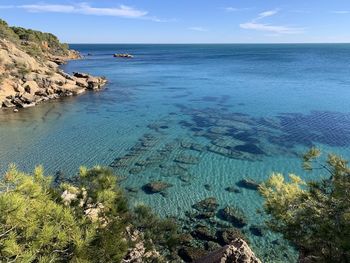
[27, 80]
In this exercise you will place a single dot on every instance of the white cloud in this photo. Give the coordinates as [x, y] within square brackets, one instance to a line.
[83, 8]
[274, 29]
[86, 9]
[271, 28]
[234, 9]
[341, 12]
[49, 8]
[198, 28]
[267, 14]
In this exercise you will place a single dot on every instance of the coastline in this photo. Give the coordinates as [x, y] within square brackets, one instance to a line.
[29, 80]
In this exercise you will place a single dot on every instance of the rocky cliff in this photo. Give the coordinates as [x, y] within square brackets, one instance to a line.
[29, 69]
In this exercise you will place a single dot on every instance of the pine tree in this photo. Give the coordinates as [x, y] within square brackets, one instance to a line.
[314, 216]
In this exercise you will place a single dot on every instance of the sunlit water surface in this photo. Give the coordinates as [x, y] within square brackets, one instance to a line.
[193, 115]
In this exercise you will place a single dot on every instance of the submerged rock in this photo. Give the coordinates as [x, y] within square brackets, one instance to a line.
[204, 215]
[203, 233]
[257, 230]
[232, 189]
[233, 215]
[187, 159]
[156, 187]
[208, 187]
[249, 148]
[249, 184]
[185, 178]
[207, 205]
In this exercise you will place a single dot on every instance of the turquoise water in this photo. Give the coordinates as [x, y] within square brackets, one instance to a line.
[232, 111]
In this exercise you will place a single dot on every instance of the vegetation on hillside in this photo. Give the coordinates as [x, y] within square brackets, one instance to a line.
[34, 42]
[314, 216]
[43, 220]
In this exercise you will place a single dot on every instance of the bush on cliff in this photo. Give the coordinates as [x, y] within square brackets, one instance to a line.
[86, 224]
[7, 33]
[34, 42]
[314, 216]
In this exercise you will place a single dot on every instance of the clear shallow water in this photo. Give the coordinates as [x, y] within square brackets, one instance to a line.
[247, 110]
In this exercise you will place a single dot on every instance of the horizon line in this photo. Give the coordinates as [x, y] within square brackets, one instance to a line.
[203, 43]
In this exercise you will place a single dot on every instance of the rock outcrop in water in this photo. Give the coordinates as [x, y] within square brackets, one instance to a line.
[29, 69]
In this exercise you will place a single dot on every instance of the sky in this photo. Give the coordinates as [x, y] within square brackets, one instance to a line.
[184, 21]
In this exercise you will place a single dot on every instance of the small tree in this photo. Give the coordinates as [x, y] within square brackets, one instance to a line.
[314, 216]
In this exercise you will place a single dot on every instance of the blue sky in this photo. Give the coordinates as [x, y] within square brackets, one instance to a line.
[184, 21]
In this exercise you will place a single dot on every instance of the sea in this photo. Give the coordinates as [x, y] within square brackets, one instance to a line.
[201, 118]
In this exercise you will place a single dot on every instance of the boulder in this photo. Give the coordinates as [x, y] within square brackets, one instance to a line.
[93, 83]
[41, 92]
[7, 103]
[81, 82]
[27, 97]
[31, 87]
[237, 252]
[19, 88]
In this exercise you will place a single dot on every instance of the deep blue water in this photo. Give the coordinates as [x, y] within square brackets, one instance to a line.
[235, 111]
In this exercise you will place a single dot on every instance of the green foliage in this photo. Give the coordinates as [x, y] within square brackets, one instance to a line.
[34, 42]
[314, 216]
[7, 33]
[42, 40]
[33, 50]
[37, 225]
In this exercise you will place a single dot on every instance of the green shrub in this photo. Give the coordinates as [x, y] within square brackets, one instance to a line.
[32, 41]
[37, 225]
[7, 33]
[40, 38]
[314, 216]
